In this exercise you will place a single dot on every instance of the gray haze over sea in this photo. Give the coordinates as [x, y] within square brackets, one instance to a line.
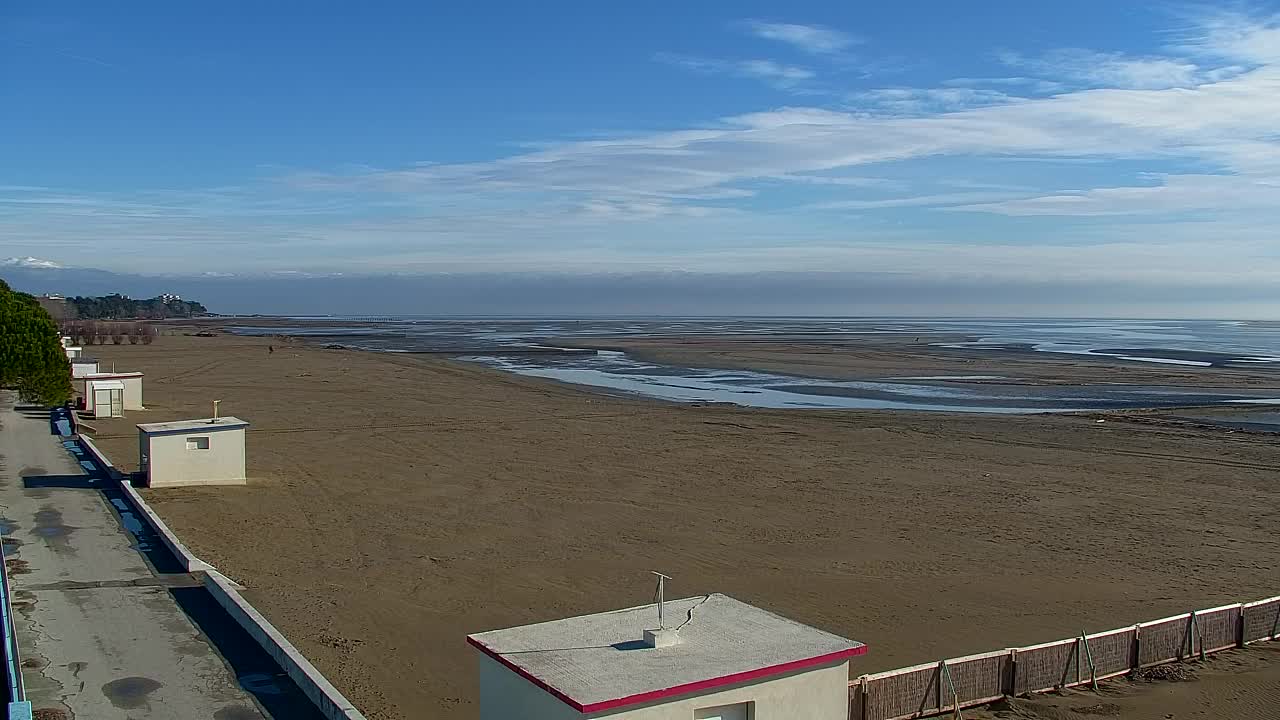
[521, 346]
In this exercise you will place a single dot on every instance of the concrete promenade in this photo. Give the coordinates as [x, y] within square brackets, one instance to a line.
[101, 635]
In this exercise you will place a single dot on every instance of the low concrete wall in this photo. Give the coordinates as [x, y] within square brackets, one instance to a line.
[186, 559]
[100, 458]
[326, 697]
[17, 707]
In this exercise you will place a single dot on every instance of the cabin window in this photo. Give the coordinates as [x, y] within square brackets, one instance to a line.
[198, 443]
[737, 711]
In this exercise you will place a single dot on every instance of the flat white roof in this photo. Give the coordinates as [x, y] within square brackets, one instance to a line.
[205, 424]
[598, 662]
[105, 375]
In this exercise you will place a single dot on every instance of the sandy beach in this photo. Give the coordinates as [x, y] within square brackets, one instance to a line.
[397, 503]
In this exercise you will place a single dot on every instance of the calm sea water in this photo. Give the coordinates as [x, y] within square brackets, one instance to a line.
[496, 342]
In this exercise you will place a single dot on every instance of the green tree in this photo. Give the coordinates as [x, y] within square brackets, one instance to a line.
[31, 356]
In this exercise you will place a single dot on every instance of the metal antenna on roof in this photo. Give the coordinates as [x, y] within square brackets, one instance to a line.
[662, 579]
[215, 410]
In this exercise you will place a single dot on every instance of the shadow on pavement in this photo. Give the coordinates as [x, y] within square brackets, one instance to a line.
[72, 482]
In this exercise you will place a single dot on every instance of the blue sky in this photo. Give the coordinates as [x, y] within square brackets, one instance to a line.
[1000, 141]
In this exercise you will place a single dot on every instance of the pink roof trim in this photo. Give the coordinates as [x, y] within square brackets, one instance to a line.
[643, 697]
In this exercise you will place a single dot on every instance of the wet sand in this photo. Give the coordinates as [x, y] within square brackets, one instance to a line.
[874, 357]
[397, 503]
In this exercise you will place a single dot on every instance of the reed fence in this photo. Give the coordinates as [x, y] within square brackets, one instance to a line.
[957, 683]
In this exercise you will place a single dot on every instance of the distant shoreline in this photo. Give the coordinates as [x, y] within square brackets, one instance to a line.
[880, 366]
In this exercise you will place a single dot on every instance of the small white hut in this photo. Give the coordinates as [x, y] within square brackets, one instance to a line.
[83, 367]
[193, 452]
[72, 351]
[721, 659]
[132, 382]
[104, 398]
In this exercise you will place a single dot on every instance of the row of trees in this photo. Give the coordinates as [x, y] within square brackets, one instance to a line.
[31, 355]
[92, 332]
[122, 307]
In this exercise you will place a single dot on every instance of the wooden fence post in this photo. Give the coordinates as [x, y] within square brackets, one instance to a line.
[1078, 659]
[864, 690]
[938, 695]
[1013, 672]
[1137, 648]
[1193, 629]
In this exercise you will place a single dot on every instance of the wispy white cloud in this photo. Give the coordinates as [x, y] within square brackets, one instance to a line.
[770, 70]
[908, 100]
[938, 200]
[1238, 36]
[1110, 70]
[1209, 123]
[1038, 86]
[813, 39]
[779, 75]
[78, 57]
[1171, 195]
[837, 180]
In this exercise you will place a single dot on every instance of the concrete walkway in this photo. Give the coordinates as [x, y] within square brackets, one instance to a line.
[101, 635]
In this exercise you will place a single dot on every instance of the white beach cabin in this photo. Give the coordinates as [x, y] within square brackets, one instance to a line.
[717, 659]
[193, 452]
[72, 351]
[83, 367]
[132, 382]
[104, 398]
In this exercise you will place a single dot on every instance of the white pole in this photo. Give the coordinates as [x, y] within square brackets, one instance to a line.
[662, 579]
[661, 582]
[215, 409]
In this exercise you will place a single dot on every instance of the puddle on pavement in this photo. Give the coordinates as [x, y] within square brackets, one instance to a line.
[260, 683]
[48, 526]
[131, 693]
[145, 540]
[131, 522]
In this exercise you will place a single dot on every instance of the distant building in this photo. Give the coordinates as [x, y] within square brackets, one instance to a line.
[193, 452]
[721, 659]
[104, 398]
[132, 387]
[170, 297]
[82, 367]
